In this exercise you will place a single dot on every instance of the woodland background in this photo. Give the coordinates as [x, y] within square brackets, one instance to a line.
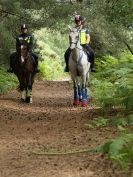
[111, 26]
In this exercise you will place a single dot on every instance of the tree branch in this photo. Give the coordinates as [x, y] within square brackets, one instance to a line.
[9, 13]
[129, 48]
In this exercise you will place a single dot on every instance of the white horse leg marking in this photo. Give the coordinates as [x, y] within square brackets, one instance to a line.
[23, 95]
[29, 95]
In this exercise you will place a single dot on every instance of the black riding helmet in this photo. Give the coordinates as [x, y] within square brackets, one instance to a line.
[24, 26]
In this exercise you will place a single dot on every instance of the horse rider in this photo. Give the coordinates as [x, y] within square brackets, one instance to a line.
[84, 42]
[23, 38]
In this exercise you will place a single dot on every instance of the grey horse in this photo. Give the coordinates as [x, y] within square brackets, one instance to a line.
[79, 68]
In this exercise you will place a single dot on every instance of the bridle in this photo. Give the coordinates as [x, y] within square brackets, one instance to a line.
[76, 43]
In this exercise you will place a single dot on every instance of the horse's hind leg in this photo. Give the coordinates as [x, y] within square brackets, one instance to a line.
[76, 97]
[21, 88]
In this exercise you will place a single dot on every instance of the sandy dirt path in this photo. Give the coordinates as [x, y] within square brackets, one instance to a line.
[53, 124]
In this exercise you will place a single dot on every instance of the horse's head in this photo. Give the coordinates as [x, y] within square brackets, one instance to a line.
[23, 52]
[74, 38]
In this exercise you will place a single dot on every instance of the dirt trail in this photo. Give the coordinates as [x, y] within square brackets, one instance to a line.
[51, 123]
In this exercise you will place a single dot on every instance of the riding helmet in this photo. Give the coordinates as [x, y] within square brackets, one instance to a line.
[78, 18]
[24, 26]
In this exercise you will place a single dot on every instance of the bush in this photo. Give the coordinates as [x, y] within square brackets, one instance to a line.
[7, 81]
[113, 84]
[50, 46]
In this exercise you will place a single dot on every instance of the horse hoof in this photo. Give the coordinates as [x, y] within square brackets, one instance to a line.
[76, 102]
[84, 104]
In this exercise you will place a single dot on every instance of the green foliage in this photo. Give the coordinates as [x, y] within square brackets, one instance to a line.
[51, 51]
[113, 89]
[120, 11]
[51, 70]
[107, 37]
[7, 81]
[119, 121]
[98, 122]
[119, 150]
[113, 83]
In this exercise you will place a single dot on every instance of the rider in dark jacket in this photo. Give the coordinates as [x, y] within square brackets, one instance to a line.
[23, 38]
[84, 42]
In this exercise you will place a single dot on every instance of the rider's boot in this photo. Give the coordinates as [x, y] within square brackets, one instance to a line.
[35, 61]
[66, 69]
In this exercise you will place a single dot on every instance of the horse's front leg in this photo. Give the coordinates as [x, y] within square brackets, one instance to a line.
[29, 96]
[22, 88]
[29, 89]
[87, 82]
[23, 95]
[79, 92]
[76, 95]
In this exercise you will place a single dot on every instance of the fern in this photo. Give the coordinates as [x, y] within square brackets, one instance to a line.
[7, 81]
[113, 85]
[119, 150]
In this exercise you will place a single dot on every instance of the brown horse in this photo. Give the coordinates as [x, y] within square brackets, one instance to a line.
[25, 72]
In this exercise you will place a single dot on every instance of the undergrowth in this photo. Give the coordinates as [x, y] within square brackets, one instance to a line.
[7, 81]
[51, 46]
[113, 90]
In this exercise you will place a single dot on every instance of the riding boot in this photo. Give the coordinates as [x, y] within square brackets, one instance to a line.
[12, 62]
[35, 59]
[36, 66]
[91, 57]
[92, 64]
[66, 69]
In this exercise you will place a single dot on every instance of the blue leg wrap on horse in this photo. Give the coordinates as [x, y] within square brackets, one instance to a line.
[84, 95]
[76, 95]
[79, 92]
